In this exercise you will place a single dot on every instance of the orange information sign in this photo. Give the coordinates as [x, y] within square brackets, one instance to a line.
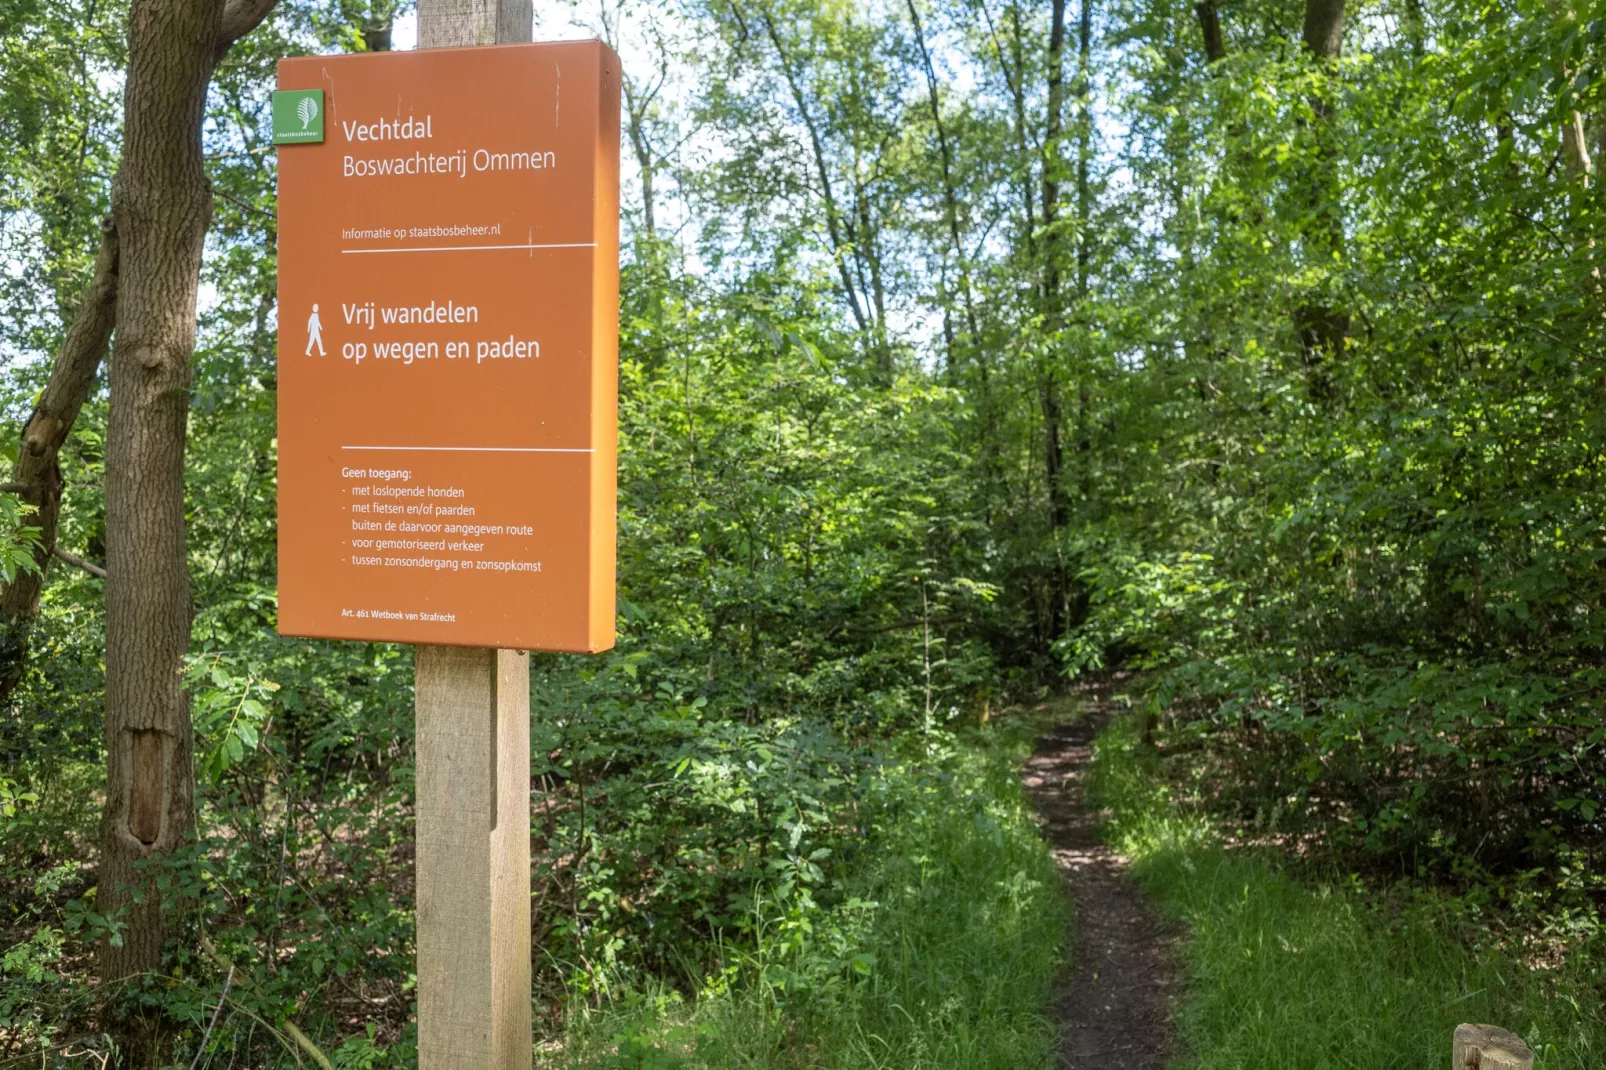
[448, 345]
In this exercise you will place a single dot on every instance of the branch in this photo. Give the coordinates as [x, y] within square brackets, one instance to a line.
[201, 1050]
[240, 17]
[36, 475]
[79, 562]
[245, 205]
[831, 212]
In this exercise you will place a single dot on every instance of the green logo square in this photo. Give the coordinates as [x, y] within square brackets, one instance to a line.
[297, 116]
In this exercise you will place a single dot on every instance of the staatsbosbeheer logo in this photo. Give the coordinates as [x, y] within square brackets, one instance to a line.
[297, 116]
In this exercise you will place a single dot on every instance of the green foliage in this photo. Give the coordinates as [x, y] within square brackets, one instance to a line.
[18, 540]
[952, 928]
[1321, 971]
[59, 126]
[1371, 577]
[229, 709]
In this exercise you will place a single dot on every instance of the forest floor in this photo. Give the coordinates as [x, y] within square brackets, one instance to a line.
[1114, 1004]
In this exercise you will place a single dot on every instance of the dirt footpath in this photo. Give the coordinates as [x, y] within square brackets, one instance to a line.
[1114, 1002]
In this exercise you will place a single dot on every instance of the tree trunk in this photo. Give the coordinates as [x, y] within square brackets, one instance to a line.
[161, 205]
[1575, 146]
[1324, 28]
[636, 106]
[37, 472]
[1013, 68]
[833, 215]
[1210, 26]
[644, 159]
[1084, 232]
[950, 199]
[1322, 329]
[867, 249]
[1053, 314]
[376, 35]
[1416, 28]
[1053, 125]
[1084, 149]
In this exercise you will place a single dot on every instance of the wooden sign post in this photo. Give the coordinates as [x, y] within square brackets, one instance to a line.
[448, 330]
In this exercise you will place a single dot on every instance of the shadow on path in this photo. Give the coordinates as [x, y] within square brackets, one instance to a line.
[1114, 1002]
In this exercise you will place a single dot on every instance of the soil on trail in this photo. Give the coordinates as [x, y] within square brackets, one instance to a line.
[1114, 1003]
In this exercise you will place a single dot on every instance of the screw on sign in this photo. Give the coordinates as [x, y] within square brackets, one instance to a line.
[448, 225]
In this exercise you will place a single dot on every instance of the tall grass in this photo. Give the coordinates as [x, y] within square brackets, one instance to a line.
[1285, 973]
[964, 922]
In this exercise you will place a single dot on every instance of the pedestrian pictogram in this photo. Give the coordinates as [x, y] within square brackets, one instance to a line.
[315, 333]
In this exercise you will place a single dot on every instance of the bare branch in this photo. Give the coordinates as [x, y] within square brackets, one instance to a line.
[79, 562]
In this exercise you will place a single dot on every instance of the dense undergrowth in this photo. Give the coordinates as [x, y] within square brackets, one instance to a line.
[800, 586]
[938, 951]
[1297, 964]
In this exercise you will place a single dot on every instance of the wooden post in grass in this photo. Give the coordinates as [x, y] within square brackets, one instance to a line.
[1488, 1047]
[473, 777]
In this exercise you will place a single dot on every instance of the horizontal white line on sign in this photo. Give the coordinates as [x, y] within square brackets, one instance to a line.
[473, 248]
[478, 449]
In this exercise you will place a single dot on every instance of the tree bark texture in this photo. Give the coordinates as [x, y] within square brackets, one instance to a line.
[1084, 148]
[161, 206]
[1210, 26]
[1575, 145]
[644, 161]
[1324, 28]
[38, 471]
[1053, 127]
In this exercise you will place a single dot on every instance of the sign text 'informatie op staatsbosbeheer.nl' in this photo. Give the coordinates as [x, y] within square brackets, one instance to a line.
[448, 345]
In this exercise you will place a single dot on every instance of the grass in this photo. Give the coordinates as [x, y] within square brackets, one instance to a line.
[964, 923]
[1286, 973]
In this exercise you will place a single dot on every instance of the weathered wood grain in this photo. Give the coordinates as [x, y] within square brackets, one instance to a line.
[473, 861]
[1488, 1047]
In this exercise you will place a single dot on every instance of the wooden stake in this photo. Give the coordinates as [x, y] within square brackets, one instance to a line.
[473, 778]
[1488, 1047]
[455, 23]
[473, 862]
